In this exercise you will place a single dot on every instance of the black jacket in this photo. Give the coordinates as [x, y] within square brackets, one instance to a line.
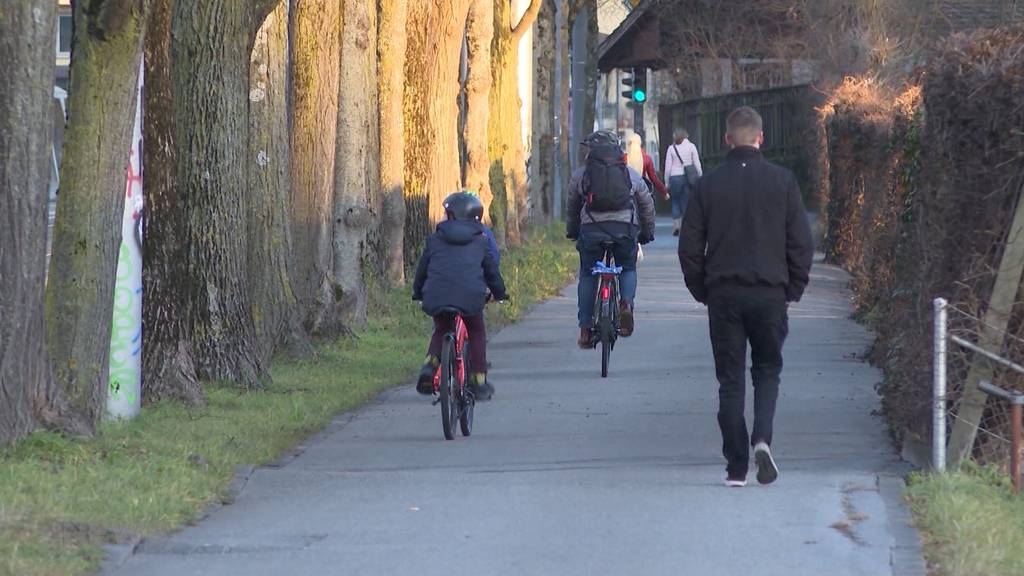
[746, 225]
[456, 270]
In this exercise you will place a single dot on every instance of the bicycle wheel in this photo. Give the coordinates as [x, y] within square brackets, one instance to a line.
[606, 340]
[467, 401]
[449, 389]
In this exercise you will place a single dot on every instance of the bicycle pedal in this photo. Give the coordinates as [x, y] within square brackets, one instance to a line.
[436, 400]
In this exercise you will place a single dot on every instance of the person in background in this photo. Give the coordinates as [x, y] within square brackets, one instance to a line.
[638, 159]
[681, 154]
[608, 200]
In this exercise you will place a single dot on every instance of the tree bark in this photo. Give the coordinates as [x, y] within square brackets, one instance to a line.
[168, 368]
[356, 174]
[508, 167]
[211, 41]
[541, 164]
[274, 305]
[432, 85]
[564, 162]
[391, 45]
[28, 393]
[479, 33]
[107, 49]
[316, 51]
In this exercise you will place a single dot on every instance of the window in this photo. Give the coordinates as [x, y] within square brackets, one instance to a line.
[64, 26]
[64, 34]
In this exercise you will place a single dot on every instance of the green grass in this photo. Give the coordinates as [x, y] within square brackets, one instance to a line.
[62, 499]
[971, 523]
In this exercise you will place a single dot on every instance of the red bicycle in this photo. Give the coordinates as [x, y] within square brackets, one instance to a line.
[451, 381]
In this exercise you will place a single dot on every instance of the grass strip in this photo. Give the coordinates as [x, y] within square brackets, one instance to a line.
[62, 499]
[971, 523]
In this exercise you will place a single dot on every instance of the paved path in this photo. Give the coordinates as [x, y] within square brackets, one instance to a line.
[569, 474]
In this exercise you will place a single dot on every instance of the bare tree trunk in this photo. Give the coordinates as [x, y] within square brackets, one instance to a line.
[316, 51]
[28, 394]
[168, 368]
[274, 305]
[508, 166]
[563, 126]
[391, 45]
[107, 49]
[432, 84]
[355, 175]
[541, 163]
[479, 32]
[211, 41]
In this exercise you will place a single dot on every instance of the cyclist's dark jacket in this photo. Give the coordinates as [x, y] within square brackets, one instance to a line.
[746, 225]
[456, 270]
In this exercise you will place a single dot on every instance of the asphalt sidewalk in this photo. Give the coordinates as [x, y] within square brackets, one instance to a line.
[571, 474]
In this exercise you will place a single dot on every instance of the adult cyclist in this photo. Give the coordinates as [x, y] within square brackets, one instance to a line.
[608, 201]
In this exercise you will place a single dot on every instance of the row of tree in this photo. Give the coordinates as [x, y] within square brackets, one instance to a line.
[293, 150]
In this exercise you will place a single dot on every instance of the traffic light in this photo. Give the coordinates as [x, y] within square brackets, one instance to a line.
[636, 86]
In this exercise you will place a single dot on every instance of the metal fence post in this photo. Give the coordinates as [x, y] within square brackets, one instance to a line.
[939, 386]
[1016, 412]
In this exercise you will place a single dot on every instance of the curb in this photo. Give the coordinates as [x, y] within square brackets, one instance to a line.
[116, 555]
[905, 552]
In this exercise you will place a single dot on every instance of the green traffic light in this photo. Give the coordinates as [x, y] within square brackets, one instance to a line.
[639, 95]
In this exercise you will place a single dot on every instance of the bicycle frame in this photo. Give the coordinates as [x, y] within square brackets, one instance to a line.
[460, 336]
[607, 285]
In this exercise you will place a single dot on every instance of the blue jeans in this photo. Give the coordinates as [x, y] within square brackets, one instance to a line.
[679, 189]
[589, 247]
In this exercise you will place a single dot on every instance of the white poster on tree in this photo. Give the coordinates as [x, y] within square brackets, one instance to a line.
[124, 399]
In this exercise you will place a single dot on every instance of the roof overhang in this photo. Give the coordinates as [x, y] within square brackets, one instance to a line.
[636, 43]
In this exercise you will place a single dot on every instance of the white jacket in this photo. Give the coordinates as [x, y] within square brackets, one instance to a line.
[688, 155]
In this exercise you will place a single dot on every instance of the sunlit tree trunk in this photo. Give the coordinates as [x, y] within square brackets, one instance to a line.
[508, 167]
[316, 52]
[391, 45]
[479, 32]
[356, 176]
[211, 42]
[107, 50]
[274, 306]
[436, 31]
[168, 368]
[28, 394]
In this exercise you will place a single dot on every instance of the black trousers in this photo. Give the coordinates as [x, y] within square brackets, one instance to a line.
[737, 315]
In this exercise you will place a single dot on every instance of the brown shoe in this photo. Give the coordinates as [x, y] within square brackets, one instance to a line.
[584, 341]
[625, 320]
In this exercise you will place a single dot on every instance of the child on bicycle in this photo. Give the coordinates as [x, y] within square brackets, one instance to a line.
[456, 270]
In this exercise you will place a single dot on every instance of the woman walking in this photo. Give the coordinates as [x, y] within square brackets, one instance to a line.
[637, 159]
[682, 170]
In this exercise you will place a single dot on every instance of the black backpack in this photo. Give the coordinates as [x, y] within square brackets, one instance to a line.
[607, 186]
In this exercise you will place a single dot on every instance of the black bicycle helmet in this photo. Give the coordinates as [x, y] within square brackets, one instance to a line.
[463, 206]
[601, 138]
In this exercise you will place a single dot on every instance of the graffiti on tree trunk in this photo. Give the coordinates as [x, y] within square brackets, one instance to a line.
[124, 398]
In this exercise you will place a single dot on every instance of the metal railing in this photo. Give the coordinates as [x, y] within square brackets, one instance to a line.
[1002, 414]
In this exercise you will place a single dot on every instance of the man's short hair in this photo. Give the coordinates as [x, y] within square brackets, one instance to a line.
[744, 125]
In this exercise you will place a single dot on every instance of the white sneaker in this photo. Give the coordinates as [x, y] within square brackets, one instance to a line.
[731, 483]
[767, 471]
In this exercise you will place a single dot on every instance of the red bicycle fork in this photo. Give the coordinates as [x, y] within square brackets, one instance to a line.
[461, 337]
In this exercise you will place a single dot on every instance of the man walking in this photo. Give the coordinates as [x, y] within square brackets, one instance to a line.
[746, 253]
